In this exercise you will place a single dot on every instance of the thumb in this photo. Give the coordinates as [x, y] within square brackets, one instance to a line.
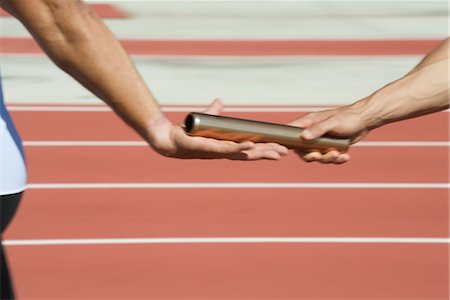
[215, 108]
[303, 122]
[317, 130]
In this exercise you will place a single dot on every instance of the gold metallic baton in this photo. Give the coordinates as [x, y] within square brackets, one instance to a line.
[239, 130]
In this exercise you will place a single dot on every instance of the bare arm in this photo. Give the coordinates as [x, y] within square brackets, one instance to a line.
[422, 91]
[80, 44]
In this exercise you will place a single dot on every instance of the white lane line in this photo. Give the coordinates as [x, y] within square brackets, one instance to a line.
[232, 57]
[59, 108]
[248, 185]
[402, 144]
[233, 240]
[85, 143]
[88, 108]
[144, 144]
[62, 108]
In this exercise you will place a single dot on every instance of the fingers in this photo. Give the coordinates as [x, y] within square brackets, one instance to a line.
[215, 108]
[332, 157]
[343, 158]
[310, 157]
[218, 148]
[268, 151]
[206, 148]
[251, 151]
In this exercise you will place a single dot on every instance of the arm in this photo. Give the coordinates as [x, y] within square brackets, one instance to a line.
[81, 45]
[422, 91]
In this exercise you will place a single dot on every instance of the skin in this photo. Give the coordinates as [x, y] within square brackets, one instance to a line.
[424, 90]
[79, 43]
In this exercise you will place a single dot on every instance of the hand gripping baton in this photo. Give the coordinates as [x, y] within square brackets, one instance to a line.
[239, 130]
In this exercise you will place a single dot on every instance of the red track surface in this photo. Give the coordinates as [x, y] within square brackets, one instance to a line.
[229, 271]
[106, 126]
[317, 271]
[249, 48]
[232, 212]
[140, 164]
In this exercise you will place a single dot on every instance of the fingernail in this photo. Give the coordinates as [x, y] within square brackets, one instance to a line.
[307, 133]
[284, 151]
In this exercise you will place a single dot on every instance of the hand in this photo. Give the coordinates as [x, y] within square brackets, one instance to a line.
[172, 141]
[345, 122]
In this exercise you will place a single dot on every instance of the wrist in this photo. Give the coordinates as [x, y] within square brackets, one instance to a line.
[365, 110]
[383, 106]
[370, 111]
[154, 128]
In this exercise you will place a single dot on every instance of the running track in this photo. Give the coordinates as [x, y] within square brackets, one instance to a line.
[105, 217]
[373, 222]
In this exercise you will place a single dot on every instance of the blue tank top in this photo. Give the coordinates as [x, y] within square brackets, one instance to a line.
[12, 158]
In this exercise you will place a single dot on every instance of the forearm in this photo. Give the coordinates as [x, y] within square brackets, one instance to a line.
[80, 44]
[424, 90]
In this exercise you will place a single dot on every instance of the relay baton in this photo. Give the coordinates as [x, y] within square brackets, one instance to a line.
[239, 130]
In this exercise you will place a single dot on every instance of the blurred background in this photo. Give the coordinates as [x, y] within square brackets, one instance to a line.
[227, 64]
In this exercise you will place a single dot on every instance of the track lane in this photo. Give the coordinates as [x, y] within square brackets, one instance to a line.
[131, 213]
[263, 271]
[49, 126]
[141, 164]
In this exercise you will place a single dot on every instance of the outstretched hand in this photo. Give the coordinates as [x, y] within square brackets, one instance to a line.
[345, 122]
[172, 141]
